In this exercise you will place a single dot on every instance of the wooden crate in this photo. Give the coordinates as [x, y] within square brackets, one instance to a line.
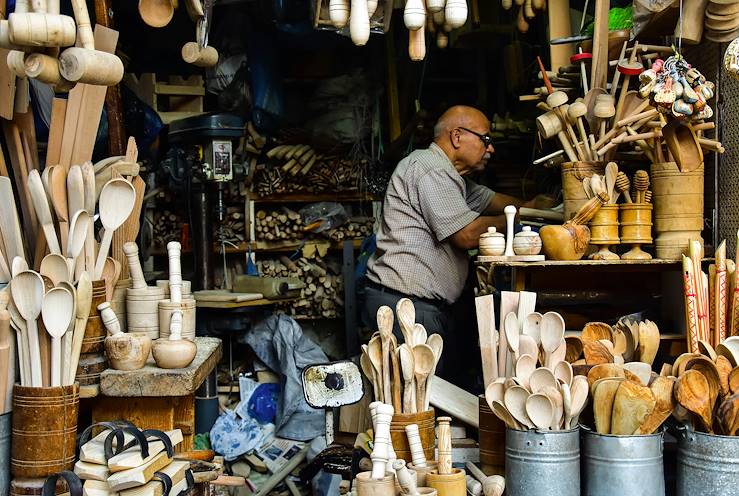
[379, 23]
[177, 98]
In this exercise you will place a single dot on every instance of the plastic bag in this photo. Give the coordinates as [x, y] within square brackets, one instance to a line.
[232, 436]
[329, 214]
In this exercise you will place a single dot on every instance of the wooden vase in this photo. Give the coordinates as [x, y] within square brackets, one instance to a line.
[604, 232]
[636, 229]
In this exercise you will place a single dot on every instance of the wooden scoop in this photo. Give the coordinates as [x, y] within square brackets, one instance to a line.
[57, 313]
[116, 203]
[662, 389]
[693, 394]
[632, 405]
[55, 268]
[27, 289]
[706, 367]
[540, 410]
[603, 396]
[424, 361]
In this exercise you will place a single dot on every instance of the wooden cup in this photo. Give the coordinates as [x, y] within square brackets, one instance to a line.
[453, 484]
[367, 486]
[636, 229]
[604, 232]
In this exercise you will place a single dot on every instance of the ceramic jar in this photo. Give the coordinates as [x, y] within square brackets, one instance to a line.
[527, 242]
[492, 243]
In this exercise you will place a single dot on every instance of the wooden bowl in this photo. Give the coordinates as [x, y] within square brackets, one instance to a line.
[173, 354]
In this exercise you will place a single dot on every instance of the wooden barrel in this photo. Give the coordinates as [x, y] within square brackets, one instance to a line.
[44, 430]
[678, 208]
[425, 422]
[572, 190]
[636, 223]
[166, 307]
[34, 487]
[492, 441]
[95, 333]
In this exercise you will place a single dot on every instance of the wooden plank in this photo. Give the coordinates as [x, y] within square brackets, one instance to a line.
[20, 105]
[97, 488]
[156, 382]
[71, 116]
[91, 471]
[7, 87]
[455, 401]
[599, 69]
[559, 27]
[56, 131]
[485, 310]
[27, 129]
[178, 90]
[91, 106]
[138, 476]
[184, 420]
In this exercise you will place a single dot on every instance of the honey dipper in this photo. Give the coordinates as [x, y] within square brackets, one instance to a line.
[641, 183]
[648, 196]
[623, 184]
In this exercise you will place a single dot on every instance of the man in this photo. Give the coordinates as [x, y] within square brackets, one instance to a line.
[432, 215]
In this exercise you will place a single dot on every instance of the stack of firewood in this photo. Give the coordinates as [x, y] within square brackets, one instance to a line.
[167, 227]
[322, 296]
[278, 225]
[231, 229]
[299, 168]
[354, 228]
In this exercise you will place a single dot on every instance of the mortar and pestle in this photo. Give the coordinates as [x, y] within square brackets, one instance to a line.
[85, 64]
[142, 301]
[174, 352]
[570, 240]
[446, 480]
[124, 351]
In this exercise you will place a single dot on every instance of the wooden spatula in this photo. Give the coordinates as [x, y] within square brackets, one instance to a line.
[603, 395]
[662, 389]
[631, 407]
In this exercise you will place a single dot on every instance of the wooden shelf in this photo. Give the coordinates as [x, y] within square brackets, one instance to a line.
[626, 264]
[315, 197]
[267, 246]
[663, 335]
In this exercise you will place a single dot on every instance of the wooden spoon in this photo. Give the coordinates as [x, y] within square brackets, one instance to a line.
[579, 398]
[706, 367]
[631, 407]
[374, 349]
[78, 229]
[563, 372]
[27, 289]
[604, 392]
[728, 415]
[574, 348]
[406, 313]
[552, 334]
[43, 212]
[55, 268]
[82, 312]
[385, 320]
[156, 13]
[596, 353]
[540, 410]
[436, 342]
[611, 173]
[408, 368]
[559, 354]
[541, 378]
[564, 389]
[420, 335]
[116, 203]
[511, 333]
[423, 361]
[495, 391]
[515, 402]
[503, 414]
[532, 326]
[527, 346]
[369, 371]
[555, 396]
[111, 272]
[58, 195]
[75, 190]
[705, 348]
[662, 389]
[525, 366]
[18, 265]
[88, 178]
[734, 380]
[693, 394]
[57, 312]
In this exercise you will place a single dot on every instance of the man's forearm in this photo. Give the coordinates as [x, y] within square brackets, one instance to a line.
[468, 237]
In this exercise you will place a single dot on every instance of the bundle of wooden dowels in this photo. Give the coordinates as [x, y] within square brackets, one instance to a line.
[711, 299]
[326, 173]
[401, 374]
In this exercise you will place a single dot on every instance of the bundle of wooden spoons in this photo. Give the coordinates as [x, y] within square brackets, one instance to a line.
[401, 374]
[627, 341]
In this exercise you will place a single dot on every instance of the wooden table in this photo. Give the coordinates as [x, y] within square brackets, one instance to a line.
[154, 398]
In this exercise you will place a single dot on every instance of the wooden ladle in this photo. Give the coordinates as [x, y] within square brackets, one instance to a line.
[424, 362]
[693, 394]
[57, 312]
[117, 199]
[27, 289]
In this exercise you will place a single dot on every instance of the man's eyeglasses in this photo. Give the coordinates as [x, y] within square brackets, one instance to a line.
[486, 139]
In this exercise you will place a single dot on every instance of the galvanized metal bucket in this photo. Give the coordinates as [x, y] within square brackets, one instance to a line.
[542, 463]
[630, 465]
[707, 464]
[5, 435]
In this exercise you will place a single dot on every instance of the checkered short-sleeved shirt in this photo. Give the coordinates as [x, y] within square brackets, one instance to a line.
[426, 202]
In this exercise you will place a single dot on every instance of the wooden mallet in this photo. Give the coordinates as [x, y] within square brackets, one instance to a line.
[87, 65]
[41, 28]
[201, 57]
[549, 126]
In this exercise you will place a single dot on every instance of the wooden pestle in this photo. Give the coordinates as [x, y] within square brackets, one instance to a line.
[493, 485]
[381, 452]
[134, 265]
[193, 54]
[175, 271]
[85, 64]
[416, 447]
[445, 445]
[405, 481]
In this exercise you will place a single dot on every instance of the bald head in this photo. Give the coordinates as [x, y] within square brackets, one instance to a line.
[460, 116]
